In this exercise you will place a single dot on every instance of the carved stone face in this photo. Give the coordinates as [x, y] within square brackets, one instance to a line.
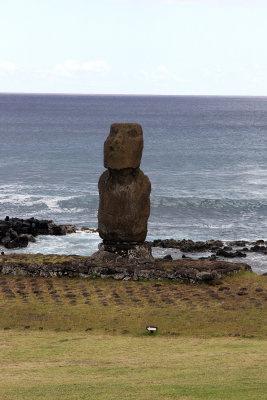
[123, 147]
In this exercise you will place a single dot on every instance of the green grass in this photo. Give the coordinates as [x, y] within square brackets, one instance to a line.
[78, 365]
[75, 339]
[39, 259]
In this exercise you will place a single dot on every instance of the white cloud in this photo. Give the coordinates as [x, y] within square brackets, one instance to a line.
[161, 73]
[144, 73]
[162, 69]
[71, 66]
[7, 67]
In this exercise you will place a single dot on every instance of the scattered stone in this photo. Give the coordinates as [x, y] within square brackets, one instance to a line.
[212, 257]
[188, 246]
[238, 243]
[227, 248]
[184, 256]
[259, 249]
[226, 254]
[223, 288]
[261, 241]
[167, 257]
[206, 276]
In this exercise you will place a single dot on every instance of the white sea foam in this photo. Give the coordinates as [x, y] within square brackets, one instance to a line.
[11, 197]
[83, 243]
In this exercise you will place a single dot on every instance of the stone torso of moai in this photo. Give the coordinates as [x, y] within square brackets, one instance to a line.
[124, 193]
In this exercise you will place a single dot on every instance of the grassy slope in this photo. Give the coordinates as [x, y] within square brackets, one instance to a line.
[198, 353]
[116, 306]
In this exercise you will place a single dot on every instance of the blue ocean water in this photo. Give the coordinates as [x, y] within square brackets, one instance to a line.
[206, 158]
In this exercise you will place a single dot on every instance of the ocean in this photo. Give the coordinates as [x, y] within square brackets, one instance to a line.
[206, 158]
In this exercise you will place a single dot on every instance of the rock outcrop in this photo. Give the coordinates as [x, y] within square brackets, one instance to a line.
[217, 248]
[124, 190]
[189, 246]
[17, 232]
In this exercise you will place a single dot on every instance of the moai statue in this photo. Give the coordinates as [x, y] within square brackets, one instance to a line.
[124, 193]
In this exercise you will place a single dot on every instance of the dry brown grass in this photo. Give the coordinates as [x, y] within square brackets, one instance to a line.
[235, 307]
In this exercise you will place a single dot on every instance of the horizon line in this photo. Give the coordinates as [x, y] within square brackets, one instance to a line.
[128, 94]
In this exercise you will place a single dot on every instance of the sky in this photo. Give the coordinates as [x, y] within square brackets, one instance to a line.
[160, 47]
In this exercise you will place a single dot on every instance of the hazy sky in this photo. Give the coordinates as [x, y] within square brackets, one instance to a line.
[134, 46]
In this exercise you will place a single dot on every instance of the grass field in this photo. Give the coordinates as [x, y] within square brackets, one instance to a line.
[70, 366]
[76, 339]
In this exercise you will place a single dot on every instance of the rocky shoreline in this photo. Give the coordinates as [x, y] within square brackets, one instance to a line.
[17, 232]
[217, 248]
[193, 267]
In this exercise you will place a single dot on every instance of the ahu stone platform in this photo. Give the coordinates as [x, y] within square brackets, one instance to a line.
[104, 264]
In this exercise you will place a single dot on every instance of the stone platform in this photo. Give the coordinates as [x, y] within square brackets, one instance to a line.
[104, 264]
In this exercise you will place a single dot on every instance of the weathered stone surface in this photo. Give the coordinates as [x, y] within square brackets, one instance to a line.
[189, 246]
[124, 205]
[207, 276]
[104, 264]
[123, 147]
[228, 254]
[131, 251]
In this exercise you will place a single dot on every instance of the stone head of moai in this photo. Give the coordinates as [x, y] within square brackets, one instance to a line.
[124, 190]
[123, 147]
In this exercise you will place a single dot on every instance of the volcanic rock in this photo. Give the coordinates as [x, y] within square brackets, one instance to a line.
[259, 249]
[130, 251]
[104, 264]
[224, 253]
[124, 190]
[17, 232]
[124, 205]
[187, 245]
